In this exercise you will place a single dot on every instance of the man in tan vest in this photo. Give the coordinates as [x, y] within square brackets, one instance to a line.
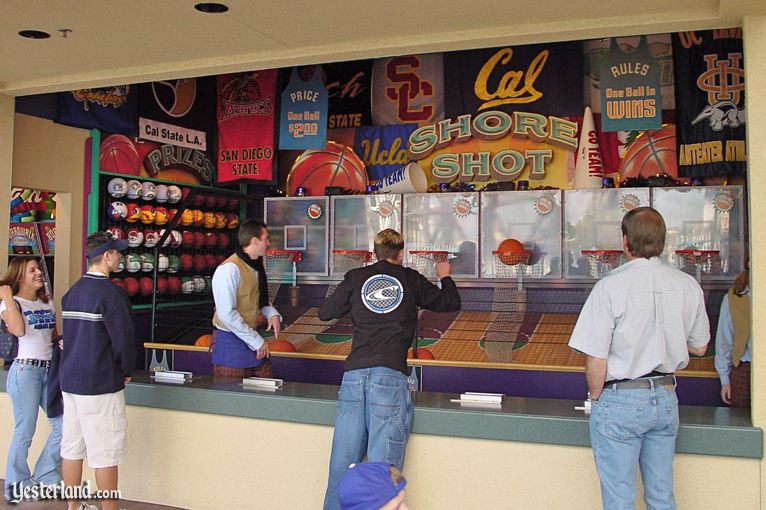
[241, 295]
[733, 343]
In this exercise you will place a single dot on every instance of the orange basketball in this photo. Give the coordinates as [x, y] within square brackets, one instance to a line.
[204, 340]
[510, 247]
[118, 154]
[281, 346]
[423, 353]
[335, 165]
[653, 152]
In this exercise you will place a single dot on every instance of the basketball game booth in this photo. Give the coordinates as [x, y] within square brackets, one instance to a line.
[524, 261]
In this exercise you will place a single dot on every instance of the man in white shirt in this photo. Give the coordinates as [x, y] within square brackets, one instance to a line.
[637, 327]
[241, 294]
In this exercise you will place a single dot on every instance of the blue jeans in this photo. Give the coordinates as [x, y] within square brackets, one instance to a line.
[26, 386]
[635, 427]
[373, 418]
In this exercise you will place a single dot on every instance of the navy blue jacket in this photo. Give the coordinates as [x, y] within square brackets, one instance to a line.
[99, 346]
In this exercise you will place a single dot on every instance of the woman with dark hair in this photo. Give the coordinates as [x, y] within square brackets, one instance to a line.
[28, 313]
[734, 342]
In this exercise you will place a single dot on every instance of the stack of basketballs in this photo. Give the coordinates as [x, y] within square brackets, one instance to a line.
[200, 240]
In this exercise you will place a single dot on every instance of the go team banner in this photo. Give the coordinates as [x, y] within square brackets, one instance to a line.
[710, 102]
[631, 97]
[303, 117]
[545, 79]
[245, 114]
[383, 148]
[178, 112]
[496, 146]
[349, 86]
[408, 90]
[110, 109]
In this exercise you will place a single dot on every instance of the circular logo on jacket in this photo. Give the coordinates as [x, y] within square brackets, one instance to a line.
[382, 293]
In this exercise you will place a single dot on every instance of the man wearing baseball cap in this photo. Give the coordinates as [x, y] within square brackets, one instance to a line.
[372, 486]
[98, 358]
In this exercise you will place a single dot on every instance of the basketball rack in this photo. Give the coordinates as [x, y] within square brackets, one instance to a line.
[510, 264]
[600, 262]
[700, 260]
[277, 263]
[424, 261]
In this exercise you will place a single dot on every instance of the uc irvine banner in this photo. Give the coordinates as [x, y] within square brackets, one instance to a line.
[110, 109]
[178, 112]
[710, 102]
[303, 117]
[349, 85]
[540, 78]
[245, 114]
[631, 94]
[383, 148]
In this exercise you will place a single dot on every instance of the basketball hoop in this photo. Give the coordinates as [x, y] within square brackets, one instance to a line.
[344, 261]
[700, 260]
[600, 262]
[511, 264]
[277, 263]
[425, 261]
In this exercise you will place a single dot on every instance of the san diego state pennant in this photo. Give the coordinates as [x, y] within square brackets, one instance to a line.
[246, 109]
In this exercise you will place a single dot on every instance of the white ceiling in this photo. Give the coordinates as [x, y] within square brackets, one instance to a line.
[144, 40]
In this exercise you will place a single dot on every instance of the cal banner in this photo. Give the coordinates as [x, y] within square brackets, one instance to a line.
[111, 109]
[595, 51]
[408, 89]
[631, 96]
[178, 112]
[245, 115]
[383, 148]
[139, 158]
[303, 116]
[710, 102]
[349, 86]
[545, 79]
[495, 146]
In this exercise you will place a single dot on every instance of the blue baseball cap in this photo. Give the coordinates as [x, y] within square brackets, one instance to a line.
[368, 486]
[111, 244]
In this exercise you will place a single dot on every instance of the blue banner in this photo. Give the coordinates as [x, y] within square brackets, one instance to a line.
[383, 148]
[303, 119]
[631, 89]
[110, 109]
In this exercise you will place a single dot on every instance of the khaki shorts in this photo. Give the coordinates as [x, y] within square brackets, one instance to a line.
[94, 426]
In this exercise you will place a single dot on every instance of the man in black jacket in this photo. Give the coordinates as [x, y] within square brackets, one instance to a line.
[374, 413]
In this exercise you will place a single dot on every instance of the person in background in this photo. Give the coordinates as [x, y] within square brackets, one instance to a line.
[637, 327]
[372, 486]
[97, 360]
[241, 294]
[734, 343]
[29, 315]
[374, 413]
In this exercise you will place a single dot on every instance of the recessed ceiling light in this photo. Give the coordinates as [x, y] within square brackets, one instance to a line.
[211, 8]
[34, 34]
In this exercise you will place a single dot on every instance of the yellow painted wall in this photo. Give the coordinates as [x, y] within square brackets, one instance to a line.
[51, 157]
[209, 462]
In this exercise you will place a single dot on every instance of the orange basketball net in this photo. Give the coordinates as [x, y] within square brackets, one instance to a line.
[511, 264]
[700, 260]
[346, 260]
[277, 263]
[425, 261]
[600, 262]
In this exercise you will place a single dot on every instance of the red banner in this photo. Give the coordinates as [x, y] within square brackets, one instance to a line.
[246, 108]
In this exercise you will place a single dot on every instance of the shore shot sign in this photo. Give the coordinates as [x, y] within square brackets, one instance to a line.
[631, 89]
[495, 145]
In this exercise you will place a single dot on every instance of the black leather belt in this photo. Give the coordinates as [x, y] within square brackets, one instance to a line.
[34, 362]
[643, 383]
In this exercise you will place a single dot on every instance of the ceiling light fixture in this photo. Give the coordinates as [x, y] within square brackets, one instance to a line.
[211, 8]
[34, 34]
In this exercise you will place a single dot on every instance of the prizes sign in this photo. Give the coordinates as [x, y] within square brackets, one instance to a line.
[631, 94]
[303, 122]
[495, 145]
